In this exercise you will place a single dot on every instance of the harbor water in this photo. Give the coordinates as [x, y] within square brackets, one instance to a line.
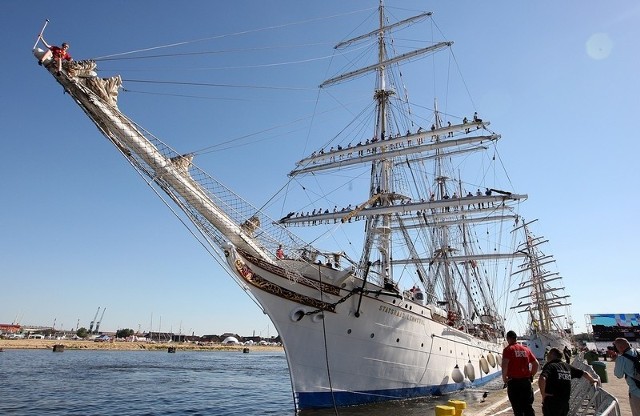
[102, 382]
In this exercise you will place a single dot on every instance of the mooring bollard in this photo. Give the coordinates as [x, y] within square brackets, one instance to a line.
[443, 410]
[459, 405]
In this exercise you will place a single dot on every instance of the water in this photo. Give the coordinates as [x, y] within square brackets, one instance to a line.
[81, 382]
[77, 382]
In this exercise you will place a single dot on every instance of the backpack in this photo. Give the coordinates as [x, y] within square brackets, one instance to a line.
[636, 366]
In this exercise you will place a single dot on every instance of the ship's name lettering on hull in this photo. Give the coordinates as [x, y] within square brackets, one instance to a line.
[401, 314]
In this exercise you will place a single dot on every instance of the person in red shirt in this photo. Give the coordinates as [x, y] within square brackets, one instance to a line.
[519, 365]
[58, 54]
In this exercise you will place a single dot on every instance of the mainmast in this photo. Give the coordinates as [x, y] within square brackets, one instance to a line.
[384, 166]
[440, 233]
[391, 210]
[382, 204]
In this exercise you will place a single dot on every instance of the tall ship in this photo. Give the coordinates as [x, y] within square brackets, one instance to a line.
[541, 298]
[415, 305]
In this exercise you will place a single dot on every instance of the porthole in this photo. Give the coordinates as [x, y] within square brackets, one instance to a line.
[422, 345]
[397, 339]
[371, 335]
[348, 331]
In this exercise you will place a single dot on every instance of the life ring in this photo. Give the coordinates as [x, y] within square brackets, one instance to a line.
[484, 365]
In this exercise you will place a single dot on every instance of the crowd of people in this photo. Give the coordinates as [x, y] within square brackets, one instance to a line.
[519, 366]
[361, 148]
[346, 210]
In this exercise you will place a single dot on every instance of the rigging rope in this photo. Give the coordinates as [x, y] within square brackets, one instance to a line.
[208, 248]
[326, 350]
[243, 32]
[183, 54]
[209, 84]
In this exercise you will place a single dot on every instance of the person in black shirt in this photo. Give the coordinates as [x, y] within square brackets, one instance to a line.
[555, 384]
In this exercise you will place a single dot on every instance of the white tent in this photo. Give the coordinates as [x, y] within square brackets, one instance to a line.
[231, 340]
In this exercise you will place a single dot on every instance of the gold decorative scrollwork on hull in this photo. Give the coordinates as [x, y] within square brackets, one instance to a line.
[261, 283]
[284, 273]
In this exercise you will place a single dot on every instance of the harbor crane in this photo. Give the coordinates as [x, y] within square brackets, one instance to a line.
[100, 321]
[94, 321]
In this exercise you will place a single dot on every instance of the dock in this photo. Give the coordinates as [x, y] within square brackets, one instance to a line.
[497, 403]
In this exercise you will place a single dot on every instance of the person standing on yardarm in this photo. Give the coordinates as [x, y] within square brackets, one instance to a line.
[519, 365]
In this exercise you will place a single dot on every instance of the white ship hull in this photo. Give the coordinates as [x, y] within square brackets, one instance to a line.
[392, 349]
[540, 343]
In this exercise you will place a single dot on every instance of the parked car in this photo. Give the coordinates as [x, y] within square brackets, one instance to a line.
[103, 338]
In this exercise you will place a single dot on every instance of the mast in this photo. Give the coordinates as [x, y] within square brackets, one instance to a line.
[404, 230]
[541, 296]
[384, 165]
[443, 231]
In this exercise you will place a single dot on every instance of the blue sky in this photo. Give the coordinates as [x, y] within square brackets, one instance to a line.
[80, 230]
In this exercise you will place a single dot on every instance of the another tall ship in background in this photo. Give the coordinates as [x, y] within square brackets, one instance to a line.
[542, 299]
[420, 308]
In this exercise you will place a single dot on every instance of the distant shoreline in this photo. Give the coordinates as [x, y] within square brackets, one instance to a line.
[35, 344]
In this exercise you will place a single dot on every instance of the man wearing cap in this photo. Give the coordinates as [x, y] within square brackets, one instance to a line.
[519, 365]
[555, 384]
[625, 368]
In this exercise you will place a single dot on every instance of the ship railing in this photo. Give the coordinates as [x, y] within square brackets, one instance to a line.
[586, 399]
